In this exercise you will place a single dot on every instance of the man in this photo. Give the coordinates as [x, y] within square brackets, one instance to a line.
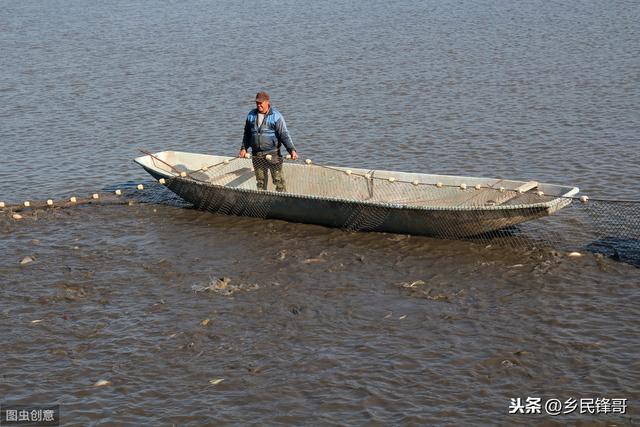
[264, 132]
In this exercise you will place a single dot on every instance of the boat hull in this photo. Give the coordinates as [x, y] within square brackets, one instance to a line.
[357, 216]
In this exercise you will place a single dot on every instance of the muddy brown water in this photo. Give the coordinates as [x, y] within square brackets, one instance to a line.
[306, 325]
[315, 325]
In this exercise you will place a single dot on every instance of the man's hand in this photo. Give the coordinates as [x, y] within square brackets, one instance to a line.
[242, 153]
[294, 155]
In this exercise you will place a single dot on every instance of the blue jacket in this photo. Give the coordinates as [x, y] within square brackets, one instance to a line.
[270, 136]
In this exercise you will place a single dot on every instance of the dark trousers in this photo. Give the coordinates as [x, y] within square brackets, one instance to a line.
[262, 166]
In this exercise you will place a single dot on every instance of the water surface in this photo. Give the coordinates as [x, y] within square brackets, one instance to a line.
[326, 327]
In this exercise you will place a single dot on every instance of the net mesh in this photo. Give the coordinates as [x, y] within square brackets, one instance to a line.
[488, 211]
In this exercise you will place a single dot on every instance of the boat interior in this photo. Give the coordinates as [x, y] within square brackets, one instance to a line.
[357, 184]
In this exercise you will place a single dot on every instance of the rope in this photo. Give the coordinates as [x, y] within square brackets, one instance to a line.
[370, 176]
[611, 226]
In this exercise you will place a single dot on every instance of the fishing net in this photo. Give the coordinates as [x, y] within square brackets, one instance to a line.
[487, 211]
[499, 212]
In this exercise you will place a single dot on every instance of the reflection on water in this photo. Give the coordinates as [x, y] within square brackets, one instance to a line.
[618, 249]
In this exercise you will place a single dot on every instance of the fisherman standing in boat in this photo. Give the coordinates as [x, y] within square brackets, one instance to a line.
[264, 132]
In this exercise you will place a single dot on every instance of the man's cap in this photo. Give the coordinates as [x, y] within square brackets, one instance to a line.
[262, 96]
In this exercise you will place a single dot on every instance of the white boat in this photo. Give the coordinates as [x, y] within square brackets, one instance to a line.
[358, 199]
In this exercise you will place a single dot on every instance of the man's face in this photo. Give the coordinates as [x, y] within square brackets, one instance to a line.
[263, 106]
